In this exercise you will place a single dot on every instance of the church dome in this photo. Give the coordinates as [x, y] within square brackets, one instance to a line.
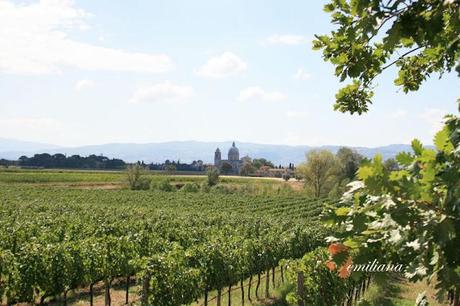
[233, 153]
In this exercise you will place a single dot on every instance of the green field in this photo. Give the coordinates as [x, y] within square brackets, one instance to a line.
[81, 177]
[62, 233]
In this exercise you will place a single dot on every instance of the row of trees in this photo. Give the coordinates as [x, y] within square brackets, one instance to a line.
[93, 161]
[7, 163]
[59, 160]
[171, 166]
[257, 166]
[326, 173]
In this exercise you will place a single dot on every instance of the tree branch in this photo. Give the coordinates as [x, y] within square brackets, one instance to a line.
[401, 57]
[392, 63]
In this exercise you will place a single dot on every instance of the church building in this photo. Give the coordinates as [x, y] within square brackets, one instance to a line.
[233, 159]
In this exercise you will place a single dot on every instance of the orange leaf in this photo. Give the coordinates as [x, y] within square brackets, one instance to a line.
[336, 248]
[331, 265]
[345, 271]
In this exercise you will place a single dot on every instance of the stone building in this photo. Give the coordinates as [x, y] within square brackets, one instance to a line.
[233, 159]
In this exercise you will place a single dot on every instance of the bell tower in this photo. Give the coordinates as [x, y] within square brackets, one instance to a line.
[217, 158]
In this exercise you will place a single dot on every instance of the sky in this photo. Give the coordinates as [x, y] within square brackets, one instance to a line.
[86, 72]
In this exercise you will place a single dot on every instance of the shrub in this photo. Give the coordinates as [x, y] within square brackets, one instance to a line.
[286, 176]
[190, 187]
[213, 176]
[142, 184]
[162, 185]
[136, 181]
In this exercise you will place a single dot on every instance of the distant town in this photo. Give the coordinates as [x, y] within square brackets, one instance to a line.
[233, 165]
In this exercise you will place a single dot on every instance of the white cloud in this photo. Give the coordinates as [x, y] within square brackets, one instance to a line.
[287, 39]
[302, 75]
[224, 65]
[162, 93]
[434, 117]
[296, 114]
[256, 93]
[84, 84]
[33, 40]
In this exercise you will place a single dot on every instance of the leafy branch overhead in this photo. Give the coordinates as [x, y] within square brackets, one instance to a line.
[418, 37]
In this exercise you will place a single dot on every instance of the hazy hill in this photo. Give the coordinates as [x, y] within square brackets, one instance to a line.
[186, 151]
[10, 145]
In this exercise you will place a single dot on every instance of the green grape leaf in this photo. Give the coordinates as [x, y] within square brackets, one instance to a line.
[353, 244]
[442, 141]
[417, 147]
[342, 211]
[405, 158]
[365, 172]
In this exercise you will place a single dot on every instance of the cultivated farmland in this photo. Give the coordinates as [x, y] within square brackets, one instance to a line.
[172, 247]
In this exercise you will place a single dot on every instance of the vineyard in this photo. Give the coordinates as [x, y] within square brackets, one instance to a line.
[177, 247]
[307, 217]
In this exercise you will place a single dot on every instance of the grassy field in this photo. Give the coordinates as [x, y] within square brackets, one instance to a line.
[89, 179]
[17, 175]
[59, 176]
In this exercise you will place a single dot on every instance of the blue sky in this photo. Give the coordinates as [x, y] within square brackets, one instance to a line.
[91, 72]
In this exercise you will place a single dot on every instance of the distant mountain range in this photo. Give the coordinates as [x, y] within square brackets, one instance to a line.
[23, 146]
[185, 151]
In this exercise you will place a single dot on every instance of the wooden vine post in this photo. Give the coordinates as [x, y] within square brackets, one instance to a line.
[249, 288]
[230, 295]
[108, 302]
[300, 292]
[282, 274]
[242, 292]
[128, 279]
[91, 294]
[145, 289]
[206, 296]
[267, 284]
[219, 297]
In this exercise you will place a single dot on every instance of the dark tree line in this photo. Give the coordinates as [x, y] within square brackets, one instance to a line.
[100, 162]
[7, 163]
[59, 160]
[196, 165]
